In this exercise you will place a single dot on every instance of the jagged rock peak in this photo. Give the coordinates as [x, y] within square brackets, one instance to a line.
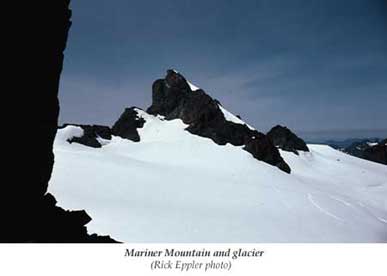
[172, 97]
[174, 79]
[176, 98]
[128, 123]
[285, 139]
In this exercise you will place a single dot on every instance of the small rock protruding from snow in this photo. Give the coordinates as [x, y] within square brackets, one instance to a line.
[94, 136]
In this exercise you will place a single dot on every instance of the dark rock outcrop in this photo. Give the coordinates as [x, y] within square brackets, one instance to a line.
[127, 125]
[173, 98]
[90, 135]
[262, 148]
[64, 226]
[285, 139]
[28, 213]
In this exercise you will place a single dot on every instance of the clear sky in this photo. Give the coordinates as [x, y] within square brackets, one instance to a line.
[312, 65]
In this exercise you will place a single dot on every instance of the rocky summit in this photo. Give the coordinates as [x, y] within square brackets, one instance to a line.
[175, 98]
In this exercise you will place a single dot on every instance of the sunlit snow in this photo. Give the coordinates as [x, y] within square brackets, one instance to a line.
[177, 187]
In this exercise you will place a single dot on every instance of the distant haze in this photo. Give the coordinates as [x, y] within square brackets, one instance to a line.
[318, 67]
[340, 135]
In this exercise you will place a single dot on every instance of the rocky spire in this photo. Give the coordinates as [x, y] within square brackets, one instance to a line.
[174, 98]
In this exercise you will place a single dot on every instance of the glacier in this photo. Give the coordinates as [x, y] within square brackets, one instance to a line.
[173, 186]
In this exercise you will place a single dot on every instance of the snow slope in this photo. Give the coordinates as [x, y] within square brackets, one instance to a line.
[177, 187]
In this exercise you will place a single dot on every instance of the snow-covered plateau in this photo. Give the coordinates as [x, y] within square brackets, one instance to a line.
[173, 186]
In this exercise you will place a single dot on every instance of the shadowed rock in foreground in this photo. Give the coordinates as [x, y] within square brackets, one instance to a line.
[30, 214]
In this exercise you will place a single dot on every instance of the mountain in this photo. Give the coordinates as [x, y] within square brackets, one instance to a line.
[342, 144]
[188, 170]
[372, 150]
[176, 98]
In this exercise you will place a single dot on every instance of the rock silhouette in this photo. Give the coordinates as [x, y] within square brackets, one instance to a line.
[29, 214]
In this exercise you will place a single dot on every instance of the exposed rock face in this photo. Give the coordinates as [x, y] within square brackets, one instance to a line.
[285, 139]
[31, 215]
[127, 125]
[173, 98]
[91, 133]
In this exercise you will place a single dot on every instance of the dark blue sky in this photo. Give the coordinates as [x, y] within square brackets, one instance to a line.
[312, 65]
